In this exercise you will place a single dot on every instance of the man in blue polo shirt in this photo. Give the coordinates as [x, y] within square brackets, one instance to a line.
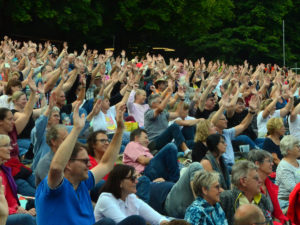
[63, 196]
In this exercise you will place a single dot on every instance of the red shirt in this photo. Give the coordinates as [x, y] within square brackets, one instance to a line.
[95, 163]
[10, 198]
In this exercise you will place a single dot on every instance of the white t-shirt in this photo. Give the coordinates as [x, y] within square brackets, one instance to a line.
[295, 127]
[262, 123]
[4, 102]
[106, 121]
[179, 118]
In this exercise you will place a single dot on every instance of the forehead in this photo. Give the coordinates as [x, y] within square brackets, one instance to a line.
[101, 136]
[62, 132]
[4, 141]
[82, 153]
[143, 134]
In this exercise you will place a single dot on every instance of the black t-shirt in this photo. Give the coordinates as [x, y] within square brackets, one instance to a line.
[199, 151]
[205, 113]
[25, 134]
[236, 119]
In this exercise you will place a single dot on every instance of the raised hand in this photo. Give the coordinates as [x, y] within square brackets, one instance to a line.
[78, 121]
[120, 110]
[253, 103]
[32, 85]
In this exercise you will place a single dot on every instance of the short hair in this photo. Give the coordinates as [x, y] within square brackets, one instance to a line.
[136, 133]
[287, 143]
[258, 155]
[113, 183]
[273, 124]
[204, 179]
[241, 169]
[15, 96]
[212, 142]
[4, 137]
[202, 130]
[3, 113]
[52, 133]
[152, 98]
[77, 148]
[54, 109]
[247, 214]
[92, 139]
[139, 92]
[12, 83]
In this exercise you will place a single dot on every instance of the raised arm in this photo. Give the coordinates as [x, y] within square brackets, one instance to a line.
[23, 118]
[63, 154]
[284, 111]
[111, 154]
[295, 112]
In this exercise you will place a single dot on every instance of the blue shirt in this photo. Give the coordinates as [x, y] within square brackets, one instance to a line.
[64, 205]
[200, 212]
[229, 135]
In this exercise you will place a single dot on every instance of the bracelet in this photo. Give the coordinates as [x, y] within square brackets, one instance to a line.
[182, 99]
[252, 112]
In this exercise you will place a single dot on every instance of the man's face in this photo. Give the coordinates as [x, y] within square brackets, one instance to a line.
[79, 166]
[142, 139]
[222, 122]
[156, 102]
[102, 143]
[54, 118]
[253, 182]
[210, 103]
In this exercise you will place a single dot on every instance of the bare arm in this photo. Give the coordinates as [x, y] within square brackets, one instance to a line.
[294, 113]
[111, 154]
[64, 151]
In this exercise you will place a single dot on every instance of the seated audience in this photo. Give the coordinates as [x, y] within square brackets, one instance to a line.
[214, 161]
[16, 213]
[276, 130]
[249, 214]
[206, 208]
[66, 188]
[264, 161]
[204, 128]
[119, 203]
[162, 165]
[288, 170]
[246, 190]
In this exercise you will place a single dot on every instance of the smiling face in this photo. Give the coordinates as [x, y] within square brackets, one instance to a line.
[222, 122]
[7, 124]
[21, 101]
[212, 195]
[266, 166]
[140, 97]
[128, 184]
[222, 146]
[5, 149]
[79, 166]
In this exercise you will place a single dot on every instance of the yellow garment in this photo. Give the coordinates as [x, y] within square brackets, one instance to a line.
[243, 200]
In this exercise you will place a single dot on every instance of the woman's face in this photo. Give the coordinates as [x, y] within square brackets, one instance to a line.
[212, 129]
[5, 149]
[21, 102]
[222, 146]
[266, 166]
[240, 106]
[295, 151]
[281, 131]
[128, 184]
[212, 195]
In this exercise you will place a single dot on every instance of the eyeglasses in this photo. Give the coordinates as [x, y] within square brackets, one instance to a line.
[256, 178]
[103, 141]
[85, 161]
[132, 178]
[5, 146]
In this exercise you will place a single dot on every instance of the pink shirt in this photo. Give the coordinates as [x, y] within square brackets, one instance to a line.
[131, 153]
[136, 110]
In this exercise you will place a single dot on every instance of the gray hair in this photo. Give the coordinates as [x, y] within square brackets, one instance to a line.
[54, 109]
[241, 169]
[152, 98]
[4, 137]
[204, 179]
[287, 143]
[52, 133]
[258, 155]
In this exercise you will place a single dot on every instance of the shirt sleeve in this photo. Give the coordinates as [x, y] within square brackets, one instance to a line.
[108, 207]
[287, 179]
[132, 151]
[149, 214]
[230, 133]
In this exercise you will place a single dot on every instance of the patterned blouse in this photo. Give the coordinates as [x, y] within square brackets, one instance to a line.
[201, 212]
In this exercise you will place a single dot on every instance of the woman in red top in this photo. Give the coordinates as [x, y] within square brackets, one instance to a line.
[264, 162]
[17, 214]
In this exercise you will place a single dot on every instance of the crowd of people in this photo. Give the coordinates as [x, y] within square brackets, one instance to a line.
[200, 142]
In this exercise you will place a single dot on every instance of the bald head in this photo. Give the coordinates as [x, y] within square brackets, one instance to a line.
[248, 214]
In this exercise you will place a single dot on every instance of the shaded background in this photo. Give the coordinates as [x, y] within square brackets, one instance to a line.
[230, 30]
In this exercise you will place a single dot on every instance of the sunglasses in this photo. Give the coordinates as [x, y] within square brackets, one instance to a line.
[132, 178]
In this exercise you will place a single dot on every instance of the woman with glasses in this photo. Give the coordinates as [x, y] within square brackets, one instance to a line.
[214, 161]
[118, 203]
[17, 214]
[206, 209]
[264, 161]
[288, 170]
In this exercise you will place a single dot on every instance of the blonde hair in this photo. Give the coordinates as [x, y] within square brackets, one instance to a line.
[4, 137]
[16, 95]
[139, 92]
[273, 124]
[202, 130]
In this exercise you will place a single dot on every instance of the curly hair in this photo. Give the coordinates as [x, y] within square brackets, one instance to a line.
[202, 130]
